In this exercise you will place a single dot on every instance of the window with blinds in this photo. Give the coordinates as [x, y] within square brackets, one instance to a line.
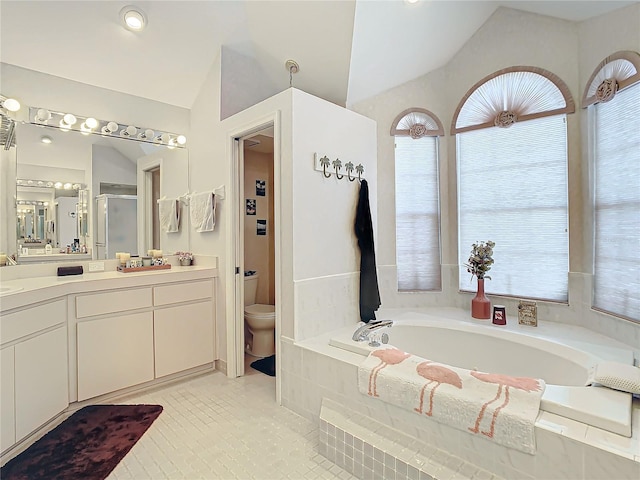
[617, 204]
[512, 189]
[417, 214]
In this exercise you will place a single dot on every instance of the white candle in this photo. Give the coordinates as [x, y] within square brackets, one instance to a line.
[124, 257]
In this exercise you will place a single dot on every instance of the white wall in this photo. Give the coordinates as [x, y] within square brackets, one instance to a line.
[325, 252]
[38, 89]
[510, 37]
[243, 83]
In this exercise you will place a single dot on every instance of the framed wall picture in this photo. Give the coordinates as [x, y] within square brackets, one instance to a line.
[251, 206]
[261, 188]
[261, 227]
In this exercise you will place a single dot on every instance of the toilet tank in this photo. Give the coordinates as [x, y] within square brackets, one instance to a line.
[250, 289]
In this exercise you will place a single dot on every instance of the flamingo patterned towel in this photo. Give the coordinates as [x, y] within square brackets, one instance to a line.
[495, 406]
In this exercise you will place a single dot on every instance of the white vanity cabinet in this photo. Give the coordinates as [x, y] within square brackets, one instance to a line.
[129, 337]
[35, 383]
[183, 326]
[7, 398]
[114, 340]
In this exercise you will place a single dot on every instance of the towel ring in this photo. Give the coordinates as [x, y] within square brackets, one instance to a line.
[337, 164]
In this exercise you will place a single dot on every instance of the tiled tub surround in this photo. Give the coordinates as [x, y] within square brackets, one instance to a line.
[313, 370]
[348, 439]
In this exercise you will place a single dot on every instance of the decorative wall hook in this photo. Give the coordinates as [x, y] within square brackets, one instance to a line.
[349, 168]
[337, 164]
[324, 161]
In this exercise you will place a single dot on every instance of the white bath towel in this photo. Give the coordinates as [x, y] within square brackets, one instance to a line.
[203, 211]
[169, 213]
[494, 406]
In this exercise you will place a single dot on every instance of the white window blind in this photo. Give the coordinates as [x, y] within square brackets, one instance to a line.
[617, 204]
[417, 213]
[512, 189]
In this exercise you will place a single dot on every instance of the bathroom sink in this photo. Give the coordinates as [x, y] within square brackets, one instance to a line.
[7, 290]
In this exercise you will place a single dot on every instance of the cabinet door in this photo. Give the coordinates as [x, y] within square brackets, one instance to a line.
[183, 337]
[114, 353]
[7, 405]
[42, 380]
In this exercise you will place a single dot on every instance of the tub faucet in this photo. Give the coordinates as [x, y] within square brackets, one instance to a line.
[363, 331]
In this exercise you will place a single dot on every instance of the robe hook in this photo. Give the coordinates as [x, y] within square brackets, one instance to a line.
[337, 164]
[324, 161]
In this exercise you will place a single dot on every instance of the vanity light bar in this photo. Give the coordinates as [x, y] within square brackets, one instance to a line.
[21, 182]
[90, 125]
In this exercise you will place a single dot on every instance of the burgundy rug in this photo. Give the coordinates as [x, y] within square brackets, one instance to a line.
[88, 445]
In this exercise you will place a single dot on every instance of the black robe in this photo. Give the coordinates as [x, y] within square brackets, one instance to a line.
[369, 293]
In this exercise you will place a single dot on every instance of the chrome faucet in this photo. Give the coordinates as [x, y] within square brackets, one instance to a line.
[363, 331]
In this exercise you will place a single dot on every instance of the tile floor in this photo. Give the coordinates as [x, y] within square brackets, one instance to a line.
[213, 427]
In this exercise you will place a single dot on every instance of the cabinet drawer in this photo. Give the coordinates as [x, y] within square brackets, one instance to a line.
[32, 320]
[182, 292]
[112, 302]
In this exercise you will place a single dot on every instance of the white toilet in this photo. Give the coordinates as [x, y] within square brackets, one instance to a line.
[260, 319]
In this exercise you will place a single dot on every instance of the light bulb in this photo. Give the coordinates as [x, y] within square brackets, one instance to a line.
[131, 130]
[46, 204]
[146, 135]
[58, 184]
[165, 137]
[64, 126]
[43, 115]
[67, 186]
[181, 139]
[49, 184]
[70, 119]
[11, 104]
[91, 123]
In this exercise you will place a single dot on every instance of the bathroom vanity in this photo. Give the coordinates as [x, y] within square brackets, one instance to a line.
[71, 341]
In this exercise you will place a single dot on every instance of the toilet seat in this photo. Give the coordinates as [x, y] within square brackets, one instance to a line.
[260, 311]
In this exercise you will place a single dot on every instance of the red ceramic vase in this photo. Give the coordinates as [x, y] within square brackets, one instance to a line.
[480, 304]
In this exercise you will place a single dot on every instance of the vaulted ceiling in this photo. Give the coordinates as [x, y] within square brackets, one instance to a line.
[347, 50]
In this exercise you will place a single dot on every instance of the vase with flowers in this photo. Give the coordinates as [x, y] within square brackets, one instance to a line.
[185, 258]
[478, 265]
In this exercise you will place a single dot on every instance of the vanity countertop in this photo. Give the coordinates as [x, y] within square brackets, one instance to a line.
[25, 291]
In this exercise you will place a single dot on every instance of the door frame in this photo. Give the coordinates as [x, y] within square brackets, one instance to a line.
[144, 192]
[235, 243]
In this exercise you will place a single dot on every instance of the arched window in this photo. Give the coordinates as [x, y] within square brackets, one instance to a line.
[511, 138]
[613, 97]
[416, 134]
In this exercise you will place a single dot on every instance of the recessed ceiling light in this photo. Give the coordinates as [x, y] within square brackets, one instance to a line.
[134, 19]
[411, 2]
[46, 139]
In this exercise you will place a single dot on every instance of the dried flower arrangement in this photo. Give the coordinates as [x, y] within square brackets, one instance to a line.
[481, 259]
[182, 256]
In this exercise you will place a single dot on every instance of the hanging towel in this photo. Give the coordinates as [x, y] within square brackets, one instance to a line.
[494, 406]
[203, 211]
[369, 293]
[169, 213]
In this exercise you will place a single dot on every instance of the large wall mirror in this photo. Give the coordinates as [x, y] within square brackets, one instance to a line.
[89, 196]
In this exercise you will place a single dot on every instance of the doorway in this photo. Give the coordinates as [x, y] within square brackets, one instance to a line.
[250, 134]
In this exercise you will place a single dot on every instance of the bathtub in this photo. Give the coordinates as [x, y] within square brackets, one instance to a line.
[555, 353]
